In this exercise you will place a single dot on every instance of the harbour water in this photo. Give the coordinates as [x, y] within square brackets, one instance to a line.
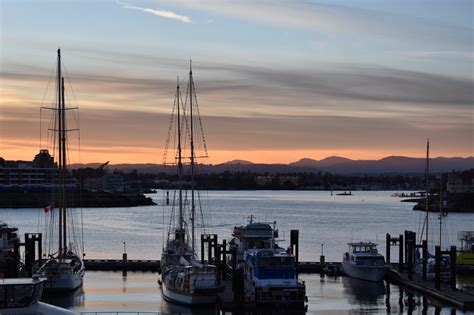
[321, 218]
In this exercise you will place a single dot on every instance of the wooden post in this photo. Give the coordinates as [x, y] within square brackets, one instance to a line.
[234, 272]
[400, 253]
[406, 246]
[294, 235]
[218, 263]
[215, 245]
[224, 259]
[409, 244]
[387, 248]
[209, 249]
[452, 268]
[425, 259]
[202, 248]
[438, 267]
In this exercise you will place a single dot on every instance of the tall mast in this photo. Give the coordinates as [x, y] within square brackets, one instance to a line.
[440, 206]
[180, 168]
[191, 85]
[64, 163]
[60, 154]
[427, 171]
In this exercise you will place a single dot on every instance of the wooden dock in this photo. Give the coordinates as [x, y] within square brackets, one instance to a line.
[122, 265]
[461, 299]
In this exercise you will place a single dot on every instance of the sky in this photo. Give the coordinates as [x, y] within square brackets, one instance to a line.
[276, 80]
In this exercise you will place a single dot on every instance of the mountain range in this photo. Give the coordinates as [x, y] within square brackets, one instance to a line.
[334, 164]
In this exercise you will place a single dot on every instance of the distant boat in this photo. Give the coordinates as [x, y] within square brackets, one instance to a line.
[64, 269]
[183, 279]
[363, 261]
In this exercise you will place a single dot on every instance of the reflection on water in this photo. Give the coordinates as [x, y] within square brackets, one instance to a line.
[139, 292]
[363, 292]
[70, 299]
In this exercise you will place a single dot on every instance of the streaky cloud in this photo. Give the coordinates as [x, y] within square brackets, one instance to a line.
[160, 13]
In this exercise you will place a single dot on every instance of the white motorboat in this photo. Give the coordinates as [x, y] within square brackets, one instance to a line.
[363, 261]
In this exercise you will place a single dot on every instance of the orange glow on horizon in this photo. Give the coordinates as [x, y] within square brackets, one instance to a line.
[143, 155]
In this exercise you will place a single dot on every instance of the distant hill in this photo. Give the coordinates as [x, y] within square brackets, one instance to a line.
[334, 164]
[332, 160]
[242, 162]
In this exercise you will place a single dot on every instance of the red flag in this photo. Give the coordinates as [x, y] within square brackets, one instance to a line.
[48, 208]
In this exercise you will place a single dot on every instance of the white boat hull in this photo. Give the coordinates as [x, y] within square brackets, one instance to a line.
[369, 273]
[186, 298]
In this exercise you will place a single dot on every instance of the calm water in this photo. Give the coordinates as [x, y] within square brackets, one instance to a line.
[320, 217]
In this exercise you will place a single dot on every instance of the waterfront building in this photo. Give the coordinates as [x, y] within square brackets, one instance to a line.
[41, 174]
[461, 182]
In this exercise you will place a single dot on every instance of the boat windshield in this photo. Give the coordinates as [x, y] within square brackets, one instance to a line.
[19, 295]
[275, 262]
[365, 249]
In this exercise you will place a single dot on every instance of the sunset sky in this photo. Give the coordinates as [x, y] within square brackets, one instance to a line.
[276, 80]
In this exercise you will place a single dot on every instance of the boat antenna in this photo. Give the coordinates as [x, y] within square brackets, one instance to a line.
[191, 85]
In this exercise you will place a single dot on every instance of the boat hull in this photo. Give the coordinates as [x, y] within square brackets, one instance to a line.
[369, 273]
[64, 282]
[176, 296]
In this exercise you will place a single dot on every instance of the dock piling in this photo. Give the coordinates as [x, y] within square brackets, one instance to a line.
[400, 252]
[294, 243]
[387, 247]
[437, 267]
[409, 246]
[452, 261]
[425, 259]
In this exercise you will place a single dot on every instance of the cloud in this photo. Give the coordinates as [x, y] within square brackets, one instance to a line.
[161, 13]
[341, 20]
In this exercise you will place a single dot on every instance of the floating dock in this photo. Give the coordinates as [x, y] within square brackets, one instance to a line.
[445, 293]
[154, 265]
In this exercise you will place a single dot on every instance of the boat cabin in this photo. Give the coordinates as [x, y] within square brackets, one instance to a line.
[363, 247]
[270, 264]
[364, 253]
[254, 235]
[8, 237]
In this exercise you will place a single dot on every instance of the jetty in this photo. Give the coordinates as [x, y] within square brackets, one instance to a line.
[154, 265]
[442, 286]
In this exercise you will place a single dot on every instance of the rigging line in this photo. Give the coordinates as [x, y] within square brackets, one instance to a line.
[199, 118]
[70, 85]
[44, 97]
[170, 127]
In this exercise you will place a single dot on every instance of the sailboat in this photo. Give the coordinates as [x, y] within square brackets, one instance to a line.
[184, 280]
[64, 268]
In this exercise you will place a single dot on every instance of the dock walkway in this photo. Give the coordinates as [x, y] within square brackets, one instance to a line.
[461, 299]
[154, 265]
